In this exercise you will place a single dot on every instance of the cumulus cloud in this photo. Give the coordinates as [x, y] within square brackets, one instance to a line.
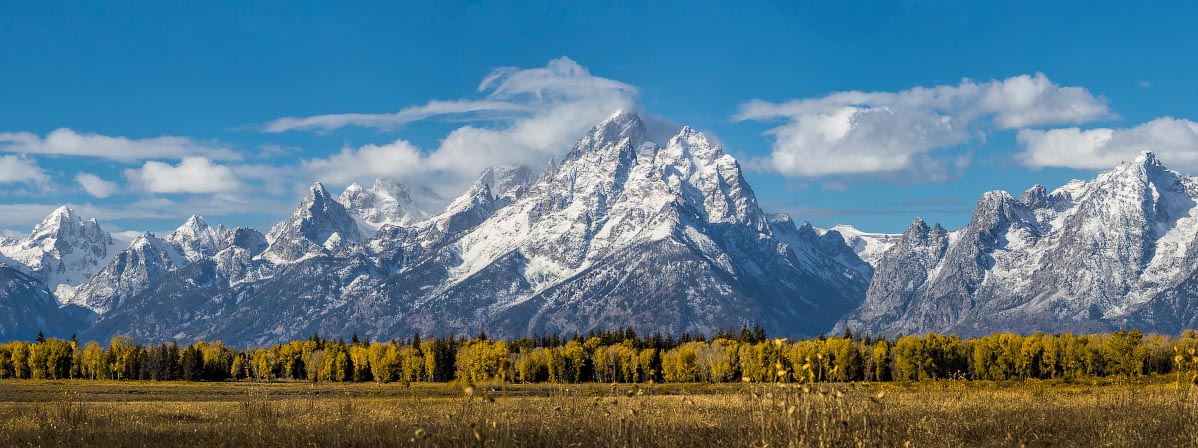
[1175, 141]
[96, 186]
[532, 115]
[67, 142]
[397, 159]
[191, 175]
[898, 133]
[14, 169]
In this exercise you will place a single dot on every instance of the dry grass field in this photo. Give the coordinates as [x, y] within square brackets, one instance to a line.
[1108, 412]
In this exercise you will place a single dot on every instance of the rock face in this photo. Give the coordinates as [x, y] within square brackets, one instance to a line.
[1119, 250]
[319, 226]
[624, 231]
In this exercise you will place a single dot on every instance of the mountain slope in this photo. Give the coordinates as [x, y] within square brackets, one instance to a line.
[62, 252]
[622, 232]
[624, 227]
[1089, 256]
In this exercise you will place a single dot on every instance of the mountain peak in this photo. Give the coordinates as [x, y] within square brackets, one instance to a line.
[319, 223]
[317, 189]
[623, 125]
[195, 222]
[1147, 158]
[388, 201]
[62, 211]
[195, 238]
[1035, 197]
[56, 219]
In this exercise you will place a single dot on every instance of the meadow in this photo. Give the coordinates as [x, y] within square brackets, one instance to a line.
[1154, 410]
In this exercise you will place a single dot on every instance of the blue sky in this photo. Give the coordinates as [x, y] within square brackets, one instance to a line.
[139, 113]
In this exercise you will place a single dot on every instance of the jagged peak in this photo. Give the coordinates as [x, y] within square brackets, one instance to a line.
[1147, 158]
[194, 222]
[621, 116]
[995, 199]
[1035, 197]
[619, 126]
[57, 217]
[1145, 163]
[63, 211]
[318, 189]
[780, 218]
[696, 143]
[390, 185]
[143, 239]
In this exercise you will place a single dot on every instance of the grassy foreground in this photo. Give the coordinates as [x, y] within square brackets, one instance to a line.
[1147, 412]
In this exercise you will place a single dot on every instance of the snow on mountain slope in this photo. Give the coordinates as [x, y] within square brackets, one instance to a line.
[868, 246]
[147, 259]
[319, 226]
[1089, 256]
[388, 202]
[62, 252]
[195, 239]
[622, 232]
[619, 202]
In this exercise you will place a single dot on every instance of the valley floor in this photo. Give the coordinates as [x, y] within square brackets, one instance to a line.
[1158, 411]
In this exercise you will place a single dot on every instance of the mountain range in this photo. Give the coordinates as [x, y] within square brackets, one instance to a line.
[624, 231]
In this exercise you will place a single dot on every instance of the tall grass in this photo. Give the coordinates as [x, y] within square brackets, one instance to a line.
[1153, 412]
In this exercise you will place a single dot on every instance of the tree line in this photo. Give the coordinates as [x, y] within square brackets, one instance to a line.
[616, 356]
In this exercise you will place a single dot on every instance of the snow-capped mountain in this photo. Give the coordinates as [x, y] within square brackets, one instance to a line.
[624, 231]
[319, 226]
[62, 252]
[1119, 250]
[868, 246]
[388, 202]
[195, 239]
[147, 259]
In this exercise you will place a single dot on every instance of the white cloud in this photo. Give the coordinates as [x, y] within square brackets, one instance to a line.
[329, 122]
[191, 175]
[15, 169]
[96, 186]
[1175, 141]
[896, 133]
[398, 159]
[534, 114]
[67, 142]
[514, 93]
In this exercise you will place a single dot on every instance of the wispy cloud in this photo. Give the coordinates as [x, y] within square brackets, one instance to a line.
[329, 122]
[871, 133]
[541, 112]
[67, 142]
